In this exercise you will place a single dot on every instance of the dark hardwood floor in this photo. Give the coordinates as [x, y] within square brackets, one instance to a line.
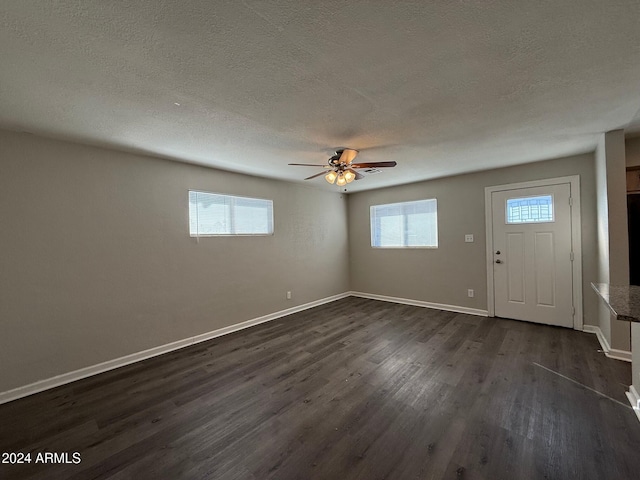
[355, 389]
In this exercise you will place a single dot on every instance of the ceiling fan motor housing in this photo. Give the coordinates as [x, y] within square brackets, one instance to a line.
[335, 159]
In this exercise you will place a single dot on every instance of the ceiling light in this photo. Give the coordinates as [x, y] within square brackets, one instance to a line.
[349, 176]
[331, 177]
[341, 180]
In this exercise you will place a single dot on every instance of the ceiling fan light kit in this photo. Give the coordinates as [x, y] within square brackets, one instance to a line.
[349, 175]
[331, 177]
[341, 168]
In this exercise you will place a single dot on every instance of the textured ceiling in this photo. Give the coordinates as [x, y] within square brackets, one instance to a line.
[442, 87]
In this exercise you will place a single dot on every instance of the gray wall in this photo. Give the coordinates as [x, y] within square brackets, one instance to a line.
[96, 260]
[443, 275]
[602, 207]
[613, 238]
[633, 160]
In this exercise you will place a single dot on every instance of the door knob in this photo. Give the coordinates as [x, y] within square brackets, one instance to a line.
[498, 261]
[498, 252]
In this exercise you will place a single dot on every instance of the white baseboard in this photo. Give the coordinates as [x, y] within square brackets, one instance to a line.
[634, 399]
[623, 355]
[69, 377]
[420, 303]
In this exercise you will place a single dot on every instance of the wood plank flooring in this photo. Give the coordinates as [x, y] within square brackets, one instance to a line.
[355, 389]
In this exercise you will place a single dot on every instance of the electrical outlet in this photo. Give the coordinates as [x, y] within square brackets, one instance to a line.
[468, 238]
[288, 295]
[470, 292]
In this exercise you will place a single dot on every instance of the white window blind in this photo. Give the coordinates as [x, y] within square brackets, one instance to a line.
[407, 224]
[215, 214]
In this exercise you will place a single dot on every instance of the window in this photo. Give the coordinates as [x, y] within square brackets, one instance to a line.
[530, 209]
[408, 224]
[215, 214]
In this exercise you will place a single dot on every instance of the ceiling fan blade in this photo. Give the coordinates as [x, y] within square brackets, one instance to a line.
[316, 175]
[373, 165]
[308, 164]
[348, 155]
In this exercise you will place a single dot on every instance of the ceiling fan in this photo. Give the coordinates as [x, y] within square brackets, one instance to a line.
[341, 168]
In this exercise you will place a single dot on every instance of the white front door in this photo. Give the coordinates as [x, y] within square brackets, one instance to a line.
[532, 255]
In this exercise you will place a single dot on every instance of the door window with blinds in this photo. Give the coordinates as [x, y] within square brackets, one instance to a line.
[213, 214]
[405, 225]
[537, 209]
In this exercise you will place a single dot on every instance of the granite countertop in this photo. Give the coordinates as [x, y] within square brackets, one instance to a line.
[622, 300]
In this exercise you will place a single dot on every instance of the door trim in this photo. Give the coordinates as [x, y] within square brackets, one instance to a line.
[576, 239]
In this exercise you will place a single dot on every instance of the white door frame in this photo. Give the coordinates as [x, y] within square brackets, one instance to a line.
[576, 239]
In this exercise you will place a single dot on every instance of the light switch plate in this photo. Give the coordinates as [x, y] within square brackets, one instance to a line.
[468, 238]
